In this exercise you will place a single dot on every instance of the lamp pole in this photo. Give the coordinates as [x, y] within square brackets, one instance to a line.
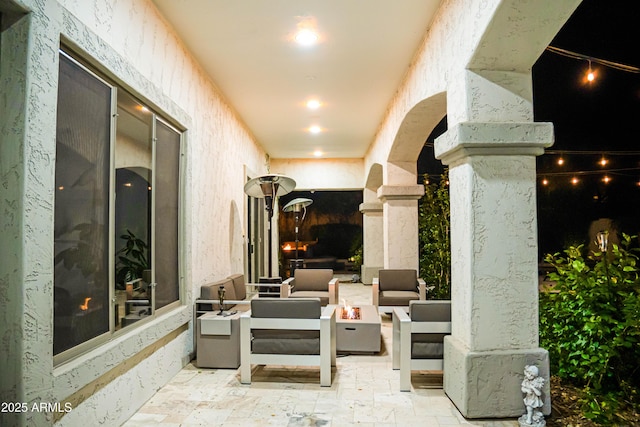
[296, 206]
[268, 187]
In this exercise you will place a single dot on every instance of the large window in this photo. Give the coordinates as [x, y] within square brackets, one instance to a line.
[116, 211]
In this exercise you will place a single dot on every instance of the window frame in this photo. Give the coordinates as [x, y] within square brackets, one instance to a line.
[158, 116]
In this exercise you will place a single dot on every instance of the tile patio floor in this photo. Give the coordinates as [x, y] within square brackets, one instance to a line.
[364, 392]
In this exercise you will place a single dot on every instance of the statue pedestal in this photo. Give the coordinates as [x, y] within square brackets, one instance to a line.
[523, 421]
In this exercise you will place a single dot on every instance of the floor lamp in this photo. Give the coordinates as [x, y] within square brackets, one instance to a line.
[296, 206]
[268, 187]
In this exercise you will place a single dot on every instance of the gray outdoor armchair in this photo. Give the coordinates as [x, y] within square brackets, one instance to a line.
[313, 283]
[294, 332]
[397, 287]
[418, 338]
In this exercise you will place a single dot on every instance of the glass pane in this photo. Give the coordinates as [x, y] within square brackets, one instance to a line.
[81, 285]
[166, 208]
[133, 164]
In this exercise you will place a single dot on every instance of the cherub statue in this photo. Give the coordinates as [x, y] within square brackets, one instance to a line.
[532, 388]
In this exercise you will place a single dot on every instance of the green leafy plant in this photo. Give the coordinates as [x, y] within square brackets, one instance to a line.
[131, 259]
[590, 323]
[434, 238]
[357, 258]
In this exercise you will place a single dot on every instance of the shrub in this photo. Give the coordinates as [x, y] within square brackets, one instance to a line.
[434, 239]
[590, 323]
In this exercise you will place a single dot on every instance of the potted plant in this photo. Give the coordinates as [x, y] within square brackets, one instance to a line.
[131, 259]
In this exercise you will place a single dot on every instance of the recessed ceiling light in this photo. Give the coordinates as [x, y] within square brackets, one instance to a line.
[306, 37]
[315, 129]
[317, 153]
[313, 104]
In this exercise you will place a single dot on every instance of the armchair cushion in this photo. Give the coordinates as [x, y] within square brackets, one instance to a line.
[322, 295]
[312, 279]
[397, 297]
[275, 308]
[210, 292]
[429, 346]
[284, 341]
[398, 280]
[239, 286]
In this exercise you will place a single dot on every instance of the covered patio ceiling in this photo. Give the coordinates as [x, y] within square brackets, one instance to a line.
[249, 50]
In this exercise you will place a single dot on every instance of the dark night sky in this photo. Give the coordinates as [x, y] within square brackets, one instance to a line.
[603, 116]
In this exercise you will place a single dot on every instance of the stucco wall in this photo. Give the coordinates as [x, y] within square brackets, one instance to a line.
[322, 174]
[132, 44]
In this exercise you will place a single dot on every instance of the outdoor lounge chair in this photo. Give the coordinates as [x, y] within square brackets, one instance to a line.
[397, 287]
[314, 283]
[418, 338]
[294, 332]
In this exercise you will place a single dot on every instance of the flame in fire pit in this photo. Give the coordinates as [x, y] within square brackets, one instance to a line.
[350, 313]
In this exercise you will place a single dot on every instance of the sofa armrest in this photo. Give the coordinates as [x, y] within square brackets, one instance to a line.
[245, 347]
[375, 292]
[401, 324]
[334, 290]
[290, 281]
[286, 287]
[422, 289]
[328, 349]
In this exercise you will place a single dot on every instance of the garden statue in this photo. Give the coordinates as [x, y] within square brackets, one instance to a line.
[532, 388]
[221, 292]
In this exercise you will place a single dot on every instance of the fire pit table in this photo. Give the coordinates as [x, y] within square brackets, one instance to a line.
[358, 331]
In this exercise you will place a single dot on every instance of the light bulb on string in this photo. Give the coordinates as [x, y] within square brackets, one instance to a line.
[591, 76]
[606, 179]
[560, 161]
[603, 161]
[575, 181]
[545, 181]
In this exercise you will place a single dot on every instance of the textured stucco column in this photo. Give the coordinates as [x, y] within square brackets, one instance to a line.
[494, 265]
[27, 151]
[400, 224]
[372, 243]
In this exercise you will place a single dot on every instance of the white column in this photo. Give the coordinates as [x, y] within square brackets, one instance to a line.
[494, 264]
[400, 225]
[372, 244]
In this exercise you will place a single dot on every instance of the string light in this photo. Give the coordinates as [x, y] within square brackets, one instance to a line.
[590, 74]
[575, 180]
[606, 179]
[618, 171]
[545, 181]
[603, 161]
[560, 161]
[600, 61]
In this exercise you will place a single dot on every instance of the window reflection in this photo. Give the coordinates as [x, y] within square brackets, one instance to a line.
[134, 164]
[81, 285]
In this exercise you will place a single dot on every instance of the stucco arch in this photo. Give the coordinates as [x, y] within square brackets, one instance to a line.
[494, 84]
[416, 127]
[374, 177]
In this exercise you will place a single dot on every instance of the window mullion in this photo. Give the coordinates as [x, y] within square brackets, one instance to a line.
[112, 210]
[153, 244]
